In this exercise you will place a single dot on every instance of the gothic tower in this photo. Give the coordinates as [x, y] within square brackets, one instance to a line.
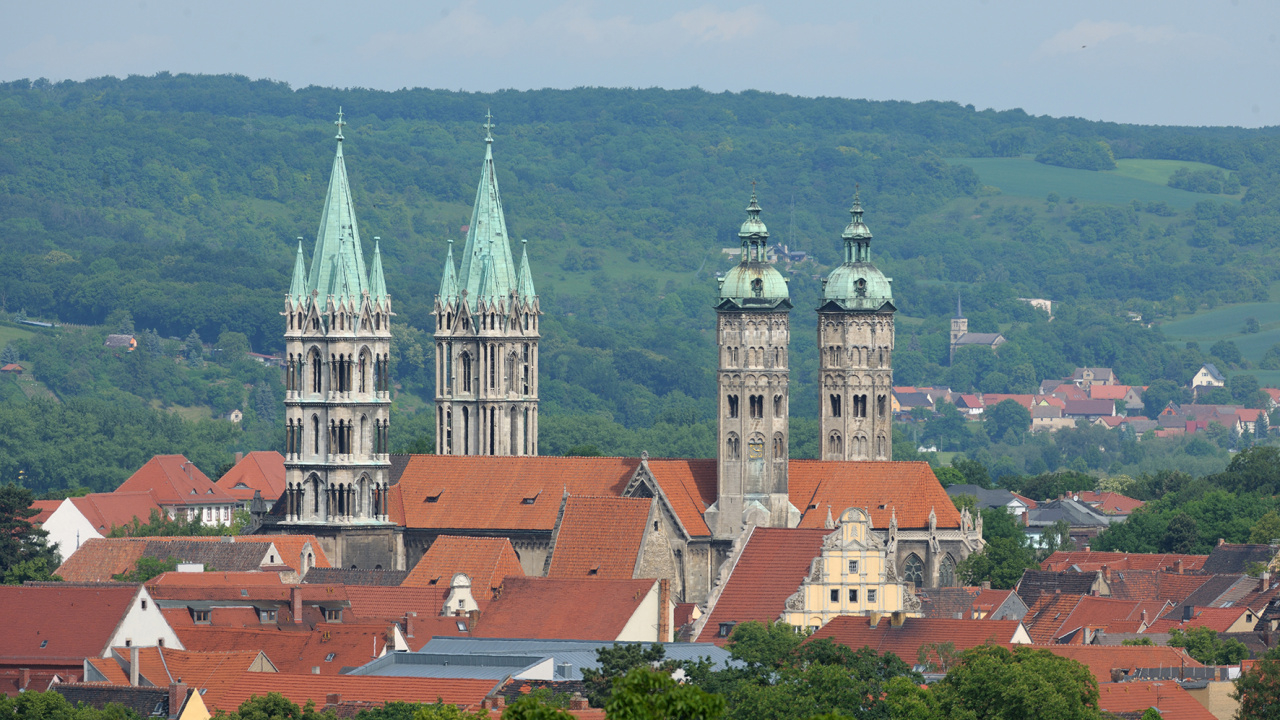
[855, 344]
[752, 330]
[487, 337]
[337, 397]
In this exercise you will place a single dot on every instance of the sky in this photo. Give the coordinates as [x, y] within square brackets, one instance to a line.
[1171, 62]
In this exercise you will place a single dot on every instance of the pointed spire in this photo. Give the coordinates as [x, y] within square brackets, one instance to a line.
[338, 236]
[490, 285]
[377, 283]
[753, 233]
[830, 524]
[298, 287]
[959, 314]
[487, 239]
[525, 285]
[449, 279]
[856, 235]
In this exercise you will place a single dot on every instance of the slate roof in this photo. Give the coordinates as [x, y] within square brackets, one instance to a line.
[1088, 560]
[175, 480]
[773, 564]
[908, 489]
[1205, 595]
[560, 608]
[948, 602]
[600, 537]
[1036, 582]
[1233, 558]
[499, 493]
[1173, 702]
[145, 701]
[857, 632]
[107, 510]
[352, 576]
[998, 498]
[61, 621]
[261, 470]
[299, 688]
[978, 339]
[486, 561]
[1101, 659]
[292, 548]
[99, 559]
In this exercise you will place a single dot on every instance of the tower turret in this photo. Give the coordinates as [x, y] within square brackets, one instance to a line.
[753, 331]
[855, 345]
[487, 337]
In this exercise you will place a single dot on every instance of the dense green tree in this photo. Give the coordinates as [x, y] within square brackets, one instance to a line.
[147, 568]
[648, 694]
[21, 543]
[1205, 646]
[1266, 530]
[1078, 153]
[1258, 689]
[1158, 395]
[52, 705]
[1181, 534]
[1008, 416]
[274, 706]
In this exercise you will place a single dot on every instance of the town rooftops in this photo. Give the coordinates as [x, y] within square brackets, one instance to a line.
[175, 480]
[299, 688]
[1110, 503]
[144, 701]
[61, 621]
[600, 537]
[1220, 619]
[296, 551]
[564, 609]
[773, 563]
[116, 509]
[43, 508]
[261, 471]
[906, 490]
[1087, 560]
[354, 576]
[1233, 558]
[1034, 583]
[1102, 659]
[1173, 702]
[99, 559]
[324, 650]
[485, 561]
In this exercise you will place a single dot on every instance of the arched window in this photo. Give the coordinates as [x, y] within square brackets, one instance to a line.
[514, 431]
[913, 570]
[835, 405]
[835, 445]
[364, 369]
[315, 434]
[317, 380]
[733, 406]
[947, 572]
[465, 360]
[466, 431]
[731, 447]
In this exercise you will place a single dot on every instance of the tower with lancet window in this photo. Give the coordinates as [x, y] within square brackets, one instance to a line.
[487, 335]
[337, 398]
[855, 346]
[752, 331]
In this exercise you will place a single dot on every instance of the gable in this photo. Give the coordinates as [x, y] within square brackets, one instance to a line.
[600, 538]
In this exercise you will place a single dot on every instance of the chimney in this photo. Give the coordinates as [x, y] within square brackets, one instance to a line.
[177, 695]
[1222, 541]
[24, 678]
[1144, 617]
[133, 666]
[986, 584]
[874, 619]
[408, 623]
[1265, 581]
[332, 698]
[577, 702]
[1106, 574]
[1177, 566]
[664, 610]
[295, 602]
[239, 457]
[897, 618]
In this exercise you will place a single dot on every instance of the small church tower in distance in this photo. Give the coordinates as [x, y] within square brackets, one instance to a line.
[855, 344]
[752, 330]
[487, 337]
[337, 389]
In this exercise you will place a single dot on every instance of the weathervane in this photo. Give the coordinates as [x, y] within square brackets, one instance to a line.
[488, 126]
[339, 122]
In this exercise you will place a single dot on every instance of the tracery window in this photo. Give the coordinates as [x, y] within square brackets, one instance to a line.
[913, 570]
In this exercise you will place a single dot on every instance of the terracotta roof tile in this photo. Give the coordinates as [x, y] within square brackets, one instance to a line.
[690, 487]
[161, 665]
[98, 559]
[1100, 613]
[1102, 659]
[857, 632]
[1047, 614]
[600, 538]
[63, 620]
[44, 509]
[499, 493]
[296, 650]
[908, 489]
[391, 603]
[107, 510]
[262, 470]
[1135, 697]
[1219, 619]
[300, 688]
[773, 564]
[1108, 392]
[1110, 503]
[110, 669]
[292, 548]
[175, 480]
[486, 561]
[551, 608]
[224, 581]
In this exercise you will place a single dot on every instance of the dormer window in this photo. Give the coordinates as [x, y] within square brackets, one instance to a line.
[333, 615]
[200, 617]
[726, 629]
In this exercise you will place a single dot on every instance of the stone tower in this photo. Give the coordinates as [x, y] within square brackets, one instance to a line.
[855, 344]
[752, 330]
[337, 397]
[487, 337]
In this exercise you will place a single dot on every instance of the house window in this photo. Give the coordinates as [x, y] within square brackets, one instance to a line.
[733, 406]
[726, 628]
[871, 596]
[44, 644]
[853, 595]
[835, 595]
[267, 616]
[128, 642]
[330, 657]
[144, 604]
[333, 614]
[200, 616]
[853, 567]
[913, 570]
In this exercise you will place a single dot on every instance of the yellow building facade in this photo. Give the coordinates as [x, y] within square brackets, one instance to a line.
[855, 575]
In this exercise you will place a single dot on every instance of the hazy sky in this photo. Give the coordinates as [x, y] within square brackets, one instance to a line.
[1171, 62]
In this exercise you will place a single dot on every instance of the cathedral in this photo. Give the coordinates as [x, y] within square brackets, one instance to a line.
[374, 510]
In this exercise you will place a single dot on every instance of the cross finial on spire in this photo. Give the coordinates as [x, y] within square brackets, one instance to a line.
[488, 125]
[339, 122]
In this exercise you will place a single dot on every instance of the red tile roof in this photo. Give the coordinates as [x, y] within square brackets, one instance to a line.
[908, 489]
[295, 649]
[1102, 659]
[993, 399]
[300, 688]
[1091, 561]
[175, 480]
[161, 665]
[690, 487]
[773, 564]
[857, 632]
[486, 561]
[107, 510]
[600, 538]
[262, 470]
[226, 581]
[1219, 619]
[1098, 613]
[1108, 392]
[292, 547]
[1173, 702]
[1046, 615]
[45, 508]
[1110, 503]
[70, 620]
[499, 493]
[1152, 585]
[372, 602]
[100, 558]
[552, 608]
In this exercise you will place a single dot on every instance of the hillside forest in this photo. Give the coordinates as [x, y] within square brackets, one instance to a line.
[169, 208]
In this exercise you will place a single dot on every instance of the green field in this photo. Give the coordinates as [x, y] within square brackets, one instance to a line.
[1227, 323]
[1142, 180]
[9, 333]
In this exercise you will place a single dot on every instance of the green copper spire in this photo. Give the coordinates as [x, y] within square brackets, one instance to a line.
[377, 283]
[449, 280]
[754, 282]
[525, 287]
[298, 288]
[857, 284]
[487, 240]
[338, 240]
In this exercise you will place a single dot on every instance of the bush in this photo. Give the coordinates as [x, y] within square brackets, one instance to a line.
[1079, 154]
